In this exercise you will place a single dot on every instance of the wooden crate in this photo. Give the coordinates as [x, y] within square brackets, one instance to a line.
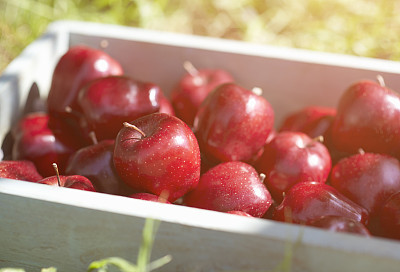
[42, 226]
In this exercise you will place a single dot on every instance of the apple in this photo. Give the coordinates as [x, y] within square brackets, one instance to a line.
[231, 186]
[159, 154]
[368, 179]
[20, 170]
[35, 141]
[109, 101]
[74, 181]
[340, 224]
[306, 201]
[293, 157]
[233, 124]
[311, 120]
[78, 66]
[389, 217]
[95, 162]
[193, 88]
[368, 115]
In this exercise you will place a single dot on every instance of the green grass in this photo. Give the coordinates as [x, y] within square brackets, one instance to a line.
[360, 27]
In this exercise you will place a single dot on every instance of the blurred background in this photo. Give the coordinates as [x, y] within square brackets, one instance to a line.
[367, 28]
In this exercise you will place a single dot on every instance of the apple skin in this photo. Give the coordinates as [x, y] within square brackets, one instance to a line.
[35, 141]
[193, 88]
[340, 224]
[368, 179]
[74, 182]
[109, 101]
[20, 170]
[293, 157]
[367, 118]
[231, 186]
[95, 162]
[311, 120]
[79, 65]
[309, 200]
[233, 124]
[389, 217]
[166, 161]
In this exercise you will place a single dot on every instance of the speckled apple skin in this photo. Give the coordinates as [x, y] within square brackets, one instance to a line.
[166, 161]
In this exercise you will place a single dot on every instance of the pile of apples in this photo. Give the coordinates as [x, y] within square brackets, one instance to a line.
[212, 144]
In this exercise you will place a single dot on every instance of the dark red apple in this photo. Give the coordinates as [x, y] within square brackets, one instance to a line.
[158, 154]
[309, 200]
[166, 106]
[233, 124]
[367, 179]
[231, 186]
[311, 120]
[389, 217]
[340, 224]
[36, 142]
[73, 182]
[193, 88]
[293, 157]
[368, 117]
[95, 162]
[78, 66]
[20, 170]
[107, 102]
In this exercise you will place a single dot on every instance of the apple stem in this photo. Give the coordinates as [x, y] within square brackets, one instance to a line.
[93, 137]
[380, 80]
[262, 177]
[257, 91]
[190, 68]
[319, 139]
[361, 151]
[57, 174]
[127, 125]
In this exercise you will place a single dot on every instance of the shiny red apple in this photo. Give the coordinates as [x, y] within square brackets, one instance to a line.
[293, 157]
[107, 102]
[193, 88]
[20, 170]
[368, 117]
[231, 186]
[309, 200]
[158, 154]
[233, 124]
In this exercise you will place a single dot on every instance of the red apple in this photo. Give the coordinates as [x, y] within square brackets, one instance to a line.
[309, 200]
[78, 66]
[73, 182]
[20, 170]
[158, 154]
[311, 120]
[389, 217]
[290, 158]
[95, 162]
[367, 179]
[340, 224]
[231, 186]
[35, 141]
[233, 124]
[193, 88]
[107, 102]
[368, 117]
